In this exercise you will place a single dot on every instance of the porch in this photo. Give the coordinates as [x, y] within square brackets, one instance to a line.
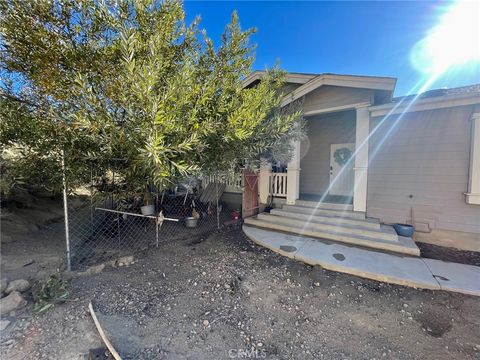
[323, 192]
[329, 166]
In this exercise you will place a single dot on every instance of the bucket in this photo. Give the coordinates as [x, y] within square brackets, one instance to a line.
[191, 222]
[148, 210]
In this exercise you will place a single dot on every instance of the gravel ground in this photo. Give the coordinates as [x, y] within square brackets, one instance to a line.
[222, 297]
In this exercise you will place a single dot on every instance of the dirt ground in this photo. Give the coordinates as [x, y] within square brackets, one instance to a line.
[449, 254]
[223, 297]
[32, 240]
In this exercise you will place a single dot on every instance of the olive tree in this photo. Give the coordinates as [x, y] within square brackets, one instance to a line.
[132, 80]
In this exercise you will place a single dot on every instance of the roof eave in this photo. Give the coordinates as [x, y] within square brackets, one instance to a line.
[295, 78]
[432, 103]
[252, 77]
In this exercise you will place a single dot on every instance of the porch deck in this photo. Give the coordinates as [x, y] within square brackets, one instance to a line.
[332, 199]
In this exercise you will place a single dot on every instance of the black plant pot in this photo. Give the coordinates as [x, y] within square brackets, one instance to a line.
[268, 208]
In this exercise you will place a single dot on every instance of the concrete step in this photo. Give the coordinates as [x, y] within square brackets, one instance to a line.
[329, 212]
[384, 233]
[367, 223]
[403, 245]
[323, 205]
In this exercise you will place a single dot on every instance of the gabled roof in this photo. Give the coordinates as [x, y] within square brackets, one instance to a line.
[295, 78]
[310, 82]
[353, 81]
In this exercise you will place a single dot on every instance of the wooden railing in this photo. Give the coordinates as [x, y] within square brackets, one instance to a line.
[233, 181]
[278, 184]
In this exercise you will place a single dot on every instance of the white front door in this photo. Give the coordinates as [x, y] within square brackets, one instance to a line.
[341, 157]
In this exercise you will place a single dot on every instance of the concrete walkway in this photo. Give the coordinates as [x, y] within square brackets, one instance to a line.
[396, 269]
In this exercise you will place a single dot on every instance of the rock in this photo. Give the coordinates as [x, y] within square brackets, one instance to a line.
[125, 260]
[28, 262]
[4, 324]
[206, 323]
[3, 285]
[20, 285]
[110, 263]
[95, 269]
[42, 275]
[11, 302]
[69, 275]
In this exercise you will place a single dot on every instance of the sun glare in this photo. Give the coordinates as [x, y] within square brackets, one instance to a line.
[454, 41]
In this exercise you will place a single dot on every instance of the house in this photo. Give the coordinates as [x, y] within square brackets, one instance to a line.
[370, 160]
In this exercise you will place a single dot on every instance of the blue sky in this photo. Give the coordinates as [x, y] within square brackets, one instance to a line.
[361, 38]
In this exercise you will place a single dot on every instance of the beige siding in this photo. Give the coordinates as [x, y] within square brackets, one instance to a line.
[323, 130]
[422, 165]
[332, 96]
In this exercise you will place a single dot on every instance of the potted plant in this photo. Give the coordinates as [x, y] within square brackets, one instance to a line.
[404, 229]
[148, 207]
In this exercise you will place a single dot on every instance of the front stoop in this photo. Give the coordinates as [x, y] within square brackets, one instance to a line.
[344, 226]
[368, 263]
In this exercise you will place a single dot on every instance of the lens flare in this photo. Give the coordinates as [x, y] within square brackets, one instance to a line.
[454, 41]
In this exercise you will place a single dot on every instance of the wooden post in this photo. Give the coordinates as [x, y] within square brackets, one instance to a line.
[293, 175]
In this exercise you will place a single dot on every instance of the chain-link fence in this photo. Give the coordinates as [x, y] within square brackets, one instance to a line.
[105, 224]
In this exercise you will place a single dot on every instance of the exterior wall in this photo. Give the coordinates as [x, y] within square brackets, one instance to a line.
[323, 130]
[423, 166]
[332, 96]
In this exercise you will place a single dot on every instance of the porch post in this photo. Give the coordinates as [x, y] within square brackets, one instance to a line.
[473, 194]
[264, 181]
[362, 132]
[293, 175]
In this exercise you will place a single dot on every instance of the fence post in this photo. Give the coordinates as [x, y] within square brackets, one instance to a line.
[118, 231]
[157, 225]
[218, 212]
[65, 212]
[91, 196]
